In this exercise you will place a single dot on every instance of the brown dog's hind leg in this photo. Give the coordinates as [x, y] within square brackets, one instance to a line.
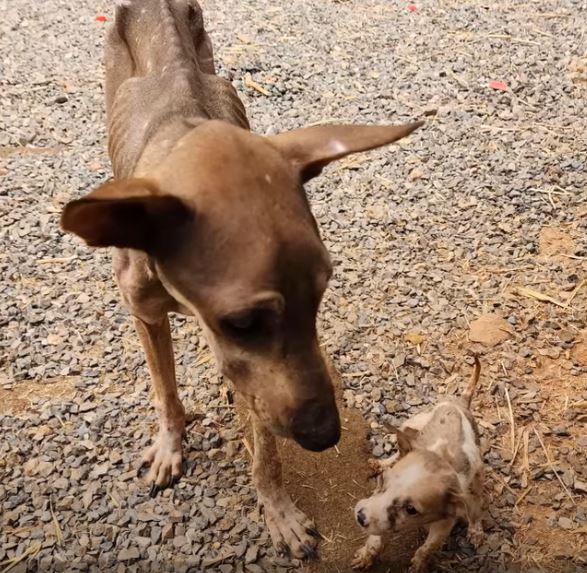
[164, 457]
[289, 528]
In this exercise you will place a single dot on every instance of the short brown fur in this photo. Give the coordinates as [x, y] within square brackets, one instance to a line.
[211, 220]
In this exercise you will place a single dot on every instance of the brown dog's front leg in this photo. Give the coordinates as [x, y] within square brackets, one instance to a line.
[289, 528]
[164, 457]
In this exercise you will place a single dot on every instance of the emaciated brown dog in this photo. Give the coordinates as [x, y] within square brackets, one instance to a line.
[211, 220]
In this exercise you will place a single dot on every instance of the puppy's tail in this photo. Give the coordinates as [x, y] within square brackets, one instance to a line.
[467, 396]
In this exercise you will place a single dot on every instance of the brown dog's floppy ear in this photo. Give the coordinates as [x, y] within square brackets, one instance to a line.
[127, 213]
[405, 440]
[310, 149]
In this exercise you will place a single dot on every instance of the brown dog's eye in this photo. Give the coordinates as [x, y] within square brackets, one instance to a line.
[249, 325]
[411, 510]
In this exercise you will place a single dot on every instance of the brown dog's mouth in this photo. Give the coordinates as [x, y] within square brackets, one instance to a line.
[252, 403]
[316, 426]
[312, 433]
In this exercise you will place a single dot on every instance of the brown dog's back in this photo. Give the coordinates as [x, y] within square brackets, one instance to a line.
[160, 66]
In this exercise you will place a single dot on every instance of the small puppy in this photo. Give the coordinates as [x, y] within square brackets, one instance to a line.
[435, 478]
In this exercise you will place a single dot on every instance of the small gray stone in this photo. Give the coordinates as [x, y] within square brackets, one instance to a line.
[167, 532]
[377, 451]
[565, 523]
[252, 554]
[128, 554]
[561, 431]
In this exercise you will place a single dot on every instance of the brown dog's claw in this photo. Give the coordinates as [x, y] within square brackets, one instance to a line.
[309, 552]
[174, 481]
[155, 489]
[282, 550]
[313, 532]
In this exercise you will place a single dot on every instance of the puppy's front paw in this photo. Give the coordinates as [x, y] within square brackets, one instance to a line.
[476, 535]
[366, 556]
[417, 566]
[363, 559]
[375, 466]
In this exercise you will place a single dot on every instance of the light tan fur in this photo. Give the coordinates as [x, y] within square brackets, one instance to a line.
[211, 220]
[435, 479]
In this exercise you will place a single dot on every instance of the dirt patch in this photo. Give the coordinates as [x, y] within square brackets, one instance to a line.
[26, 151]
[579, 352]
[489, 329]
[327, 485]
[547, 546]
[19, 398]
[554, 241]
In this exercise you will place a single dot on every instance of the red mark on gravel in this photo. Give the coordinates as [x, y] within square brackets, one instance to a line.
[497, 85]
[412, 7]
[101, 18]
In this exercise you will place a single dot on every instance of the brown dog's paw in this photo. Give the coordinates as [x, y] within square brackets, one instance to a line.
[164, 460]
[292, 532]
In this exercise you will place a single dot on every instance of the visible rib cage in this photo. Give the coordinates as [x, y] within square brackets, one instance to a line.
[159, 67]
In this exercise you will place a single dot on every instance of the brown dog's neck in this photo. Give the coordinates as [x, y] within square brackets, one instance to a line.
[160, 144]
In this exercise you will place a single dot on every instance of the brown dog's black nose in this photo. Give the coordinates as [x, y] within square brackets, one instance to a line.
[361, 518]
[316, 427]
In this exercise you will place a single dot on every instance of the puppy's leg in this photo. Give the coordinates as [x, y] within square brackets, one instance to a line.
[289, 528]
[366, 556]
[437, 535]
[379, 466]
[164, 457]
[475, 531]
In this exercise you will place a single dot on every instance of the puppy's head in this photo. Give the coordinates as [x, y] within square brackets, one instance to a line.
[227, 222]
[419, 489]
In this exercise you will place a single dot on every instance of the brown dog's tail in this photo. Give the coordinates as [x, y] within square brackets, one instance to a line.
[467, 396]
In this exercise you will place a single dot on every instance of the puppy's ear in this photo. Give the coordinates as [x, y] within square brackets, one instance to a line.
[406, 439]
[310, 149]
[127, 213]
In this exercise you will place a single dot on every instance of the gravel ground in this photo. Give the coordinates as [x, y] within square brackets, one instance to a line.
[426, 237]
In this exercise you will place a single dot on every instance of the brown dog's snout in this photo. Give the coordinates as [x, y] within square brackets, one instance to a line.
[316, 426]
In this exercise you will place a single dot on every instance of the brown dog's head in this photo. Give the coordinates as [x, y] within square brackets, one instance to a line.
[226, 220]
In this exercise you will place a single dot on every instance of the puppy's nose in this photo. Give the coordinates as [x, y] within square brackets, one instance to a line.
[316, 426]
[361, 518]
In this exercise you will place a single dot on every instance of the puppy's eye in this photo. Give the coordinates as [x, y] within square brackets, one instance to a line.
[411, 510]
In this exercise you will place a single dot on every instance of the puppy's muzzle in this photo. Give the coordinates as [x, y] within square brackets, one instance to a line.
[316, 426]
